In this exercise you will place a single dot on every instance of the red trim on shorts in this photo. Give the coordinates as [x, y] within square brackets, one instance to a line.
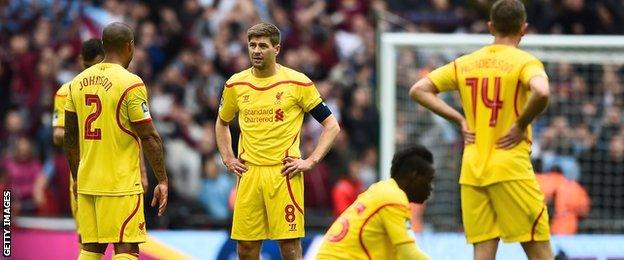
[59, 95]
[143, 121]
[535, 224]
[366, 222]
[292, 196]
[136, 138]
[129, 218]
[298, 83]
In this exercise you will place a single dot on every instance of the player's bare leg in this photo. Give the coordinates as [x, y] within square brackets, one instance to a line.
[126, 251]
[486, 250]
[249, 250]
[538, 250]
[291, 249]
[93, 251]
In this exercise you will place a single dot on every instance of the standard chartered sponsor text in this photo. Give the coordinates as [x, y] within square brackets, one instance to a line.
[259, 115]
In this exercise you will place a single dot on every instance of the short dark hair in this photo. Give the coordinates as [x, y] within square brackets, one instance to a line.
[507, 16]
[115, 36]
[413, 159]
[91, 49]
[265, 30]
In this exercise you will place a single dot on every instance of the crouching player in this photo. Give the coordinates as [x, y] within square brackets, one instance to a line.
[377, 224]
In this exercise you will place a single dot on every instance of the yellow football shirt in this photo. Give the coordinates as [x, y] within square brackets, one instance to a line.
[107, 98]
[270, 113]
[493, 83]
[58, 117]
[372, 227]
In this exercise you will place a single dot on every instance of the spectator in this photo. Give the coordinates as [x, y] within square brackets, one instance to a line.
[215, 190]
[348, 188]
[603, 178]
[25, 175]
[569, 200]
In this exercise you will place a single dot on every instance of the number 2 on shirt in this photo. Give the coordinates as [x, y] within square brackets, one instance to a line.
[96, 133]
[494, 104]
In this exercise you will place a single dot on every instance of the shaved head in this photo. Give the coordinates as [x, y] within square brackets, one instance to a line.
[118, 41]
[116, 36]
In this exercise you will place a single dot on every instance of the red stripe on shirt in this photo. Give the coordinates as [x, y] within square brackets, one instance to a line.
[535, 224]
[293, 142]
[121, 99]
[143, 121]
[366, 222]
[123, 227]
[298, 83]
[516, 98]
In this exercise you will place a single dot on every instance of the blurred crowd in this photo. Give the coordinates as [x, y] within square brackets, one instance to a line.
[185, 50]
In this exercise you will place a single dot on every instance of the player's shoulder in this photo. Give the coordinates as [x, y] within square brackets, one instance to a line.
[63, 90]
[242, 76]
[294, 76]
[524, 56]
[127, 80]
[388, 192]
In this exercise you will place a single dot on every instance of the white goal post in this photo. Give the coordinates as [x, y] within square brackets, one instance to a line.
[585, 49]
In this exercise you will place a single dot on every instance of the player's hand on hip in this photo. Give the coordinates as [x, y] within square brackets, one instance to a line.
[235, 166]
[293, 166]
[161, 192]
[512, 138]
[469, 136]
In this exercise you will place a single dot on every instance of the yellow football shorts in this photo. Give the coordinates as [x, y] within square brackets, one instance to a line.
[512, 210]
[268, 206]
[111, 219]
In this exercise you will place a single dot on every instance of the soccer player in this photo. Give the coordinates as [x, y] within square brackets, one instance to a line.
[502, 90]
[91, 53]
[107, 121]
[377, 224]
[270, 100]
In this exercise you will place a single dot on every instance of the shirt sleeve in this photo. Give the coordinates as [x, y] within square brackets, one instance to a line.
[228, 107]
[532, 69]
[137, 105]
[309, 97]
[397, 224]
[444, 78]
[58, 117]
[69, 103]
[409, 251]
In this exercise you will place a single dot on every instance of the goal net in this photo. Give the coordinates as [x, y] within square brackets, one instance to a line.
[579, 136]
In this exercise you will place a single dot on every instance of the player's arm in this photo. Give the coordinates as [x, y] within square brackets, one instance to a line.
[330, 130]
[227, 111]
[57, 135]
[538, 101]
[425, 93]
[395, 219]
[58, 120]
[144, 180]
[409, 251]
[224, 144]
[70, 143]
[153, 150]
